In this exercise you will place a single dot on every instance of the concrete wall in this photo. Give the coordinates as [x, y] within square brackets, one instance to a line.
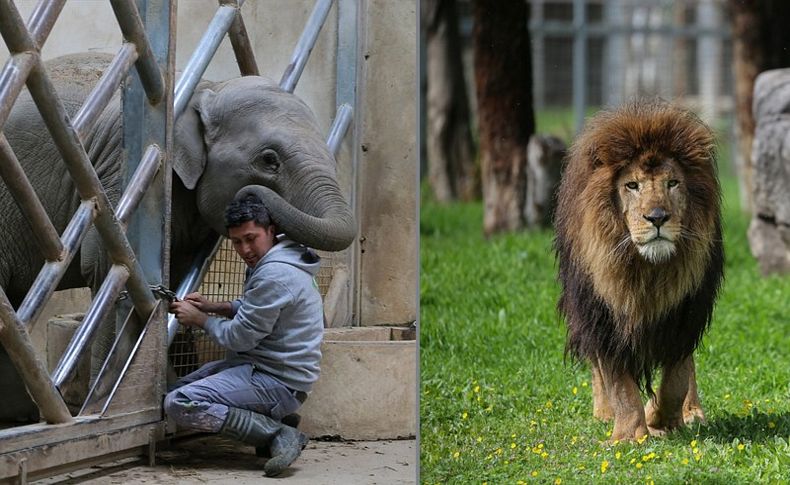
[389, 164]
[385, 149]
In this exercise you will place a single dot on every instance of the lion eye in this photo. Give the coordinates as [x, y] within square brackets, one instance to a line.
[632, 185]
[672, 183]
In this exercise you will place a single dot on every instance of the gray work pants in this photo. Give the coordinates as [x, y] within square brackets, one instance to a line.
[200, 400]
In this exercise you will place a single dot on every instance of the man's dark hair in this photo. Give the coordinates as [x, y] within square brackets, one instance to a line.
[248, 208]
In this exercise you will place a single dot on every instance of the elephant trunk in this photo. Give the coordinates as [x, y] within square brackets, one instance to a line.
[332, 228]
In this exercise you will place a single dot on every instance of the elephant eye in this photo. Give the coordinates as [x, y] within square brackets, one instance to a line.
[269, 158]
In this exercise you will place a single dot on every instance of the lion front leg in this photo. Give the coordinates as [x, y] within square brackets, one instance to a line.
[692, 408]
[626, 403]
[601, 407]
[664, 412]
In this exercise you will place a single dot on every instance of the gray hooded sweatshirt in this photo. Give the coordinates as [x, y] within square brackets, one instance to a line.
[278, 322]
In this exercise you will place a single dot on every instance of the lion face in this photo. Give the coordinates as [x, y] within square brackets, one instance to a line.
[653, 202]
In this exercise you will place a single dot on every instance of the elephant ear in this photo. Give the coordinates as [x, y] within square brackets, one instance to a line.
[190, 153]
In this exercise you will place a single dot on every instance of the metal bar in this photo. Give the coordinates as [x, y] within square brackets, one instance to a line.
[17, 344]
[13, 29]
[201, 57]
[242, 49]
[103, 92]
[140, 181]
[12, 79]
[579, 63]
[305, 45]
[50, 274]
[43, 19]
[191, 282]
[25, 197]
[132, 27]
[103, 302]
[88, 186]
[339, 127]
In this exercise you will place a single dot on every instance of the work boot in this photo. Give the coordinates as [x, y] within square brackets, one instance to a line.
[291, 420]
[256, 429]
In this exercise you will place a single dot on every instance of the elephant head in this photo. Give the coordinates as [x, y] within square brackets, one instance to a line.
[248, 133]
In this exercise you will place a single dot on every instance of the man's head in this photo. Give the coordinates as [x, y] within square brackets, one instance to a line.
[250, 229]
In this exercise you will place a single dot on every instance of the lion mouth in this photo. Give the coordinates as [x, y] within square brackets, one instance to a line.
[657, 250]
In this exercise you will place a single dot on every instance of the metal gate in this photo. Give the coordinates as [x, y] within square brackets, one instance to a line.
[122, 414]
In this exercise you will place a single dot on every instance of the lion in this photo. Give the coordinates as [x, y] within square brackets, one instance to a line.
[639, 249]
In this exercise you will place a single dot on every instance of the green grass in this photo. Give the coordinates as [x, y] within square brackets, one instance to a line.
[499, 403]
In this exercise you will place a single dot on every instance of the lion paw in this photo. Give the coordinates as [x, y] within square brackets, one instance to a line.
[693, 414]
[658, 432]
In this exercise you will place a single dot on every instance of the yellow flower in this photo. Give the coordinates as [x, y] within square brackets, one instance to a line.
[741, 447]
[638, 466]
[727, 396]
[558, 481]
[771, 424]
[544, 455]
[540, 446]
[534, 473]
[633, 460]
[695, 450]
[476, 389]
[697, 457]
[573, 439]
[617, 455]
[549, 405]
[604, 466]
[608, 434]
[465, 415]
[641, 440]
[498, 451]
[479, 439]
[575, 390]
[693, 443]
[584, 384]
[456, 455]
[685, 461]
[512, 445]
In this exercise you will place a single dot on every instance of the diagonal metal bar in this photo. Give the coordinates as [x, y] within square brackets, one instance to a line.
[16, 341]
[242, 49]
[132, 28]
[25, 197]
[202, 55]
[305, 45]
[43, 19]
[89, 187]
[140, 182]
[14, 31]
[339, 127]
[103, 302]
[51, 273]
[12, 79]
[102, 94]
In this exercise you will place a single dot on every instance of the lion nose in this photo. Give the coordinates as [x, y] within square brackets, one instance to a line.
[657, 217]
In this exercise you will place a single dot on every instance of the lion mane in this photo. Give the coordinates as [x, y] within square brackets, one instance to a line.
[618, 307]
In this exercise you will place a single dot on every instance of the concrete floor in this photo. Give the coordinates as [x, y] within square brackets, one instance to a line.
[217, 460]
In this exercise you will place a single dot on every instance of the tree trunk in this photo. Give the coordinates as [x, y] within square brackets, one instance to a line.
[760, 43]
[451, 163]
[502, 67]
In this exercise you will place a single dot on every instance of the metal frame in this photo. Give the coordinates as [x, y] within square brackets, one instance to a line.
[151, 104]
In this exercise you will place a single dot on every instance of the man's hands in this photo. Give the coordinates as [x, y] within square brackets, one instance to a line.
[188, 314]
[192, 310]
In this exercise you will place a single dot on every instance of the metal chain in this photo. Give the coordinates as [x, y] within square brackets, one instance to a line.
[160, 291]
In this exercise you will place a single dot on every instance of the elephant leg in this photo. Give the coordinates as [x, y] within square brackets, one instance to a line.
[626, 403]
[664, 412]
[601, 407]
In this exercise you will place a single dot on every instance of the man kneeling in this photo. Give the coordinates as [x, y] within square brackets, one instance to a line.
[272, 334]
